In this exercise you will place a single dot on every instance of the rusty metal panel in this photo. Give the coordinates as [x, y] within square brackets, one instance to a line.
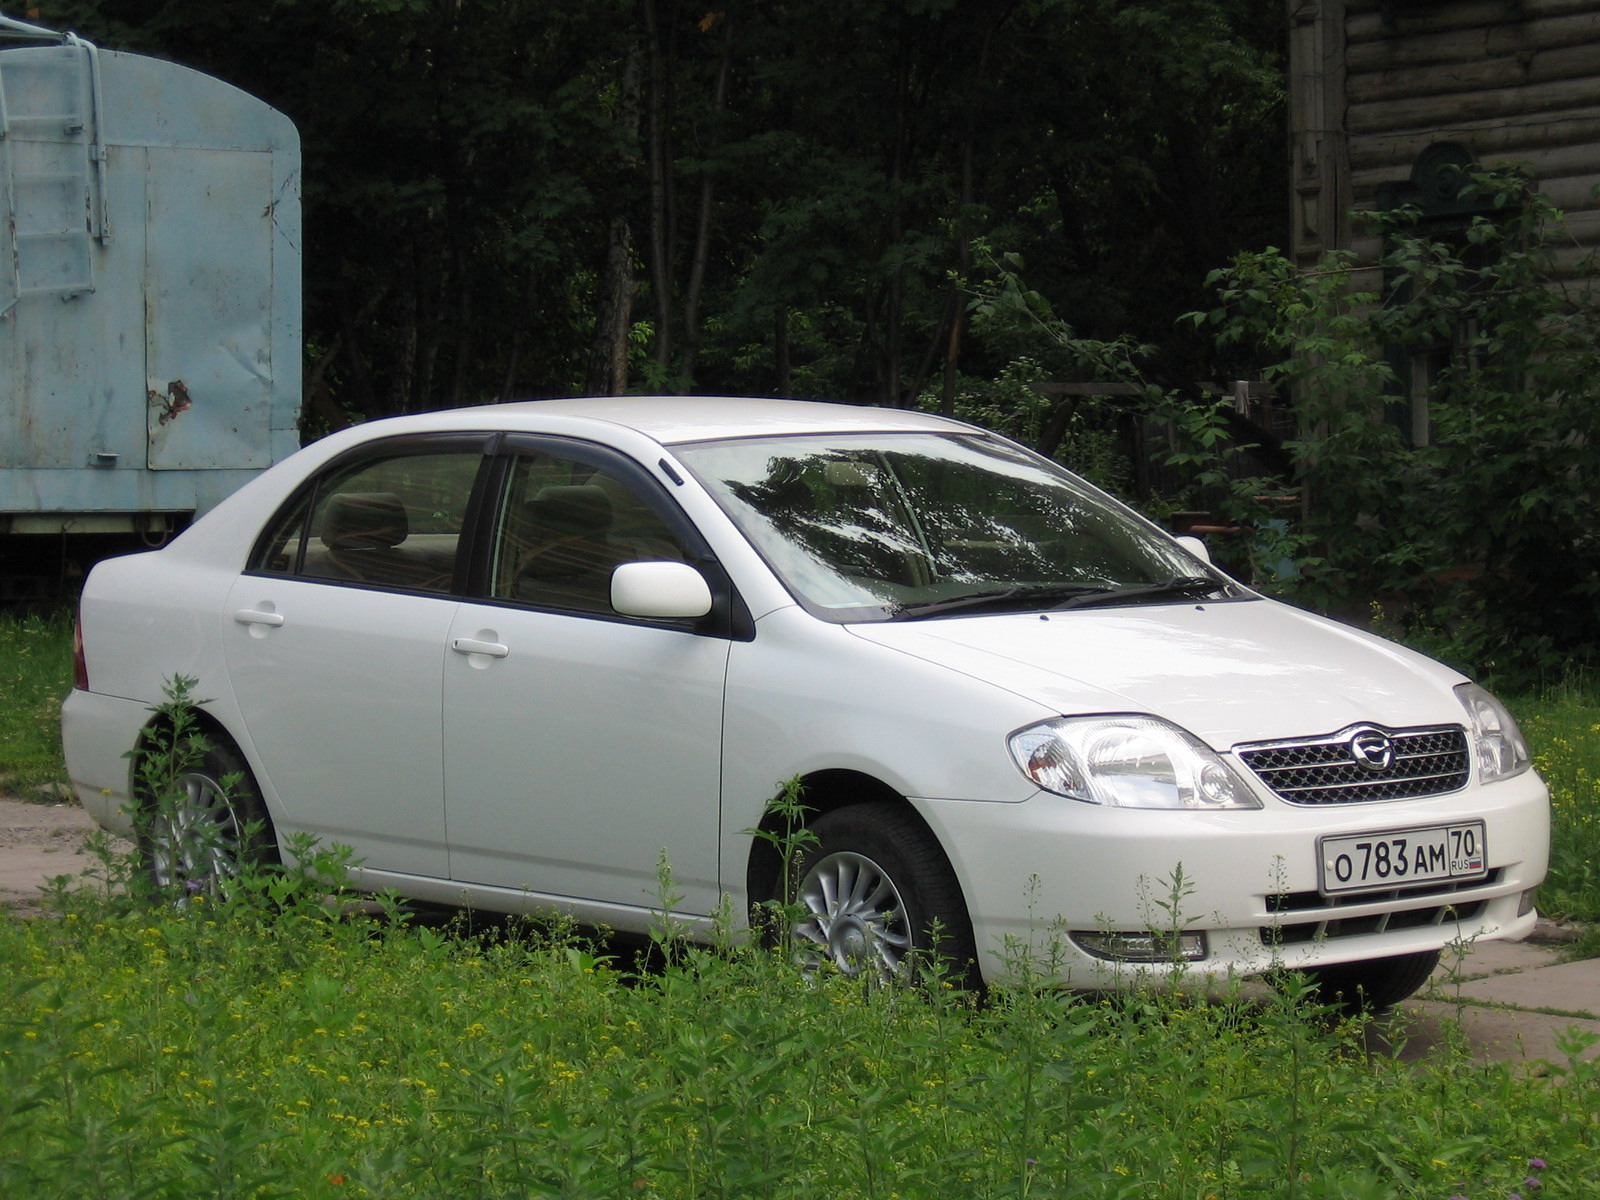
[208, 285]
[150, 300]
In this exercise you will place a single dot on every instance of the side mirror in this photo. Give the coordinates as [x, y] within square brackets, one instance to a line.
[660, 590]
[1195, 547]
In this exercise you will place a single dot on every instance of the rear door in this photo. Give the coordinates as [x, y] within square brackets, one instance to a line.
[338, 644]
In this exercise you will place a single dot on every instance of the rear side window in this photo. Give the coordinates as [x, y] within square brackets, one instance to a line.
[391, 522]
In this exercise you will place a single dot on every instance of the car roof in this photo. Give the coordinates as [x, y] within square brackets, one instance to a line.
[676, 419]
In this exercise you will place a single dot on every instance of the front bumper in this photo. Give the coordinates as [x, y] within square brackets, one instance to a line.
[1033, 874]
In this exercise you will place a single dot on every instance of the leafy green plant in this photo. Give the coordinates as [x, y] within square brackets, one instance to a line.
[1475, 523]
[253, 1049]
[784, 829]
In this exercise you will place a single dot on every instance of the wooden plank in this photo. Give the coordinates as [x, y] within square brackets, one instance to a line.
[1552, 162]
[1367, 20]
[1580, 240]
[1446, 112]
[1575, 262]
[1583, 227]
[1579, 127]
[1572, 193]
[1433, 45]
[1507, 71]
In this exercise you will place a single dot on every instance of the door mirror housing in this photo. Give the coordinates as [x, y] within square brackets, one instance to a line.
[660, 590]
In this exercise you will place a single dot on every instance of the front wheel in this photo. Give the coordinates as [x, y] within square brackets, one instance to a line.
[1373, 985]
[876, 891]
[205, 823]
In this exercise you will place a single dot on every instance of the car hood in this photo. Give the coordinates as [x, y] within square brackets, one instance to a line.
[1229, 672]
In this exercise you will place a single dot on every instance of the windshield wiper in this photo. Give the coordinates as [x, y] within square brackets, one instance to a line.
[1175, 588]
[1000, 598]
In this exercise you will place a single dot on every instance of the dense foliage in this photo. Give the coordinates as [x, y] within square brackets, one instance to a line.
[265, 1047]
[938, 203]
[1472, 520]
[508, 197]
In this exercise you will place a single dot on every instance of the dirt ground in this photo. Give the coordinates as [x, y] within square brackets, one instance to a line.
[37, 843]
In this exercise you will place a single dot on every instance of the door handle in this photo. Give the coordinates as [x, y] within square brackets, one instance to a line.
[474, 646]
[251, 616]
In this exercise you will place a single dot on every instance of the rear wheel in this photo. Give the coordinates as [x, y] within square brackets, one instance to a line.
[205, 824]
[1376, 984]
[877, 892]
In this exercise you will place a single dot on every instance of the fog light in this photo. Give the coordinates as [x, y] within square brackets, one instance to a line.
[1525, 905]
[1143, 947]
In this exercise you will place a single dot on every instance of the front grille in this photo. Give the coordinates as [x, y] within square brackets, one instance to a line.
[1300, 917]
[1326, 770]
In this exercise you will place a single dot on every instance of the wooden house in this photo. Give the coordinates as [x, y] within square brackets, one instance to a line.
[1387, 95]
[1390, 99]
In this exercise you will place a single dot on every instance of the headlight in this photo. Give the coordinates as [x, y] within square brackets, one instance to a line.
[1497, 743]
[1128, 762]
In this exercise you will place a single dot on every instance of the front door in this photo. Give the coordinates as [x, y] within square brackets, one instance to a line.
[582, 749]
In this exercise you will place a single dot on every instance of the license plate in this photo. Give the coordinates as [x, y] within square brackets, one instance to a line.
[1400, 858]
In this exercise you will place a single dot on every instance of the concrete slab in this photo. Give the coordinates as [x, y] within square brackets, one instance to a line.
[1572, 989]
[1419, 1029]
[1483, 959]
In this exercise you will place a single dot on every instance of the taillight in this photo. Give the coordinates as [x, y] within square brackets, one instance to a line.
[80, 668]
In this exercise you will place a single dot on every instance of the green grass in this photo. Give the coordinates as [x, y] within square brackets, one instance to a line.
[272, 1049]
[35, 676]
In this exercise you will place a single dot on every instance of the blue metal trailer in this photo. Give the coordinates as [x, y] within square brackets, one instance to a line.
[149, 298]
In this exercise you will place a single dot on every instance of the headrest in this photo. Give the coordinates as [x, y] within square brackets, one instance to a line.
[364, 521]
[571, 510]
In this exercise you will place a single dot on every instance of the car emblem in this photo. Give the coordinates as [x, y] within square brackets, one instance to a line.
[1373, 749]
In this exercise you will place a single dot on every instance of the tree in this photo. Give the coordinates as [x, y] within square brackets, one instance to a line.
[518, 198]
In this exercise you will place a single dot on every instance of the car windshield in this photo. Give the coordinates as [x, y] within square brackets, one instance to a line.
[908, 526]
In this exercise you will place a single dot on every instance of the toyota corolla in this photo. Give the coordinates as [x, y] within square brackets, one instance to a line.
[517, 657]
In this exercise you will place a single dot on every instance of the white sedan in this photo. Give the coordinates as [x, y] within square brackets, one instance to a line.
[519, 657]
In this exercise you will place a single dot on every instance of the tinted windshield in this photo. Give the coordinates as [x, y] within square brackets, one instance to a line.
[879, 526]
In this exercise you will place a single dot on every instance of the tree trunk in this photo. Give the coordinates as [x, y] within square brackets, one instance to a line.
[663, 204]
[780, 352]
[607, 372]
[702, 235]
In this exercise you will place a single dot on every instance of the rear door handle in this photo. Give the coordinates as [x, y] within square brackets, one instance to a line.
[252, 616]
[474, 646]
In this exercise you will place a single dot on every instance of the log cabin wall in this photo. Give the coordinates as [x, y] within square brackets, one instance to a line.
[1374, 84]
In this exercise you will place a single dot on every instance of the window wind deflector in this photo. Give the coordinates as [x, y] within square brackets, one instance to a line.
[1000, 599]
[1176, 588]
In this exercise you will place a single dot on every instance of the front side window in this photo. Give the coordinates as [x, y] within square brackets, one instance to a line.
[874, 527]
[564, 526]
[392, 522]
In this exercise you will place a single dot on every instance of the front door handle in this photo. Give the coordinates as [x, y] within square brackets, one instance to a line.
[474, 646]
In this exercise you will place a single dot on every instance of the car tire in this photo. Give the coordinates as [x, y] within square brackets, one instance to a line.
[1374, 985]
[211, 824]
[875, 894]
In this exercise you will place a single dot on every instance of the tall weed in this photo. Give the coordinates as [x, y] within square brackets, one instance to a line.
[266, 1044]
